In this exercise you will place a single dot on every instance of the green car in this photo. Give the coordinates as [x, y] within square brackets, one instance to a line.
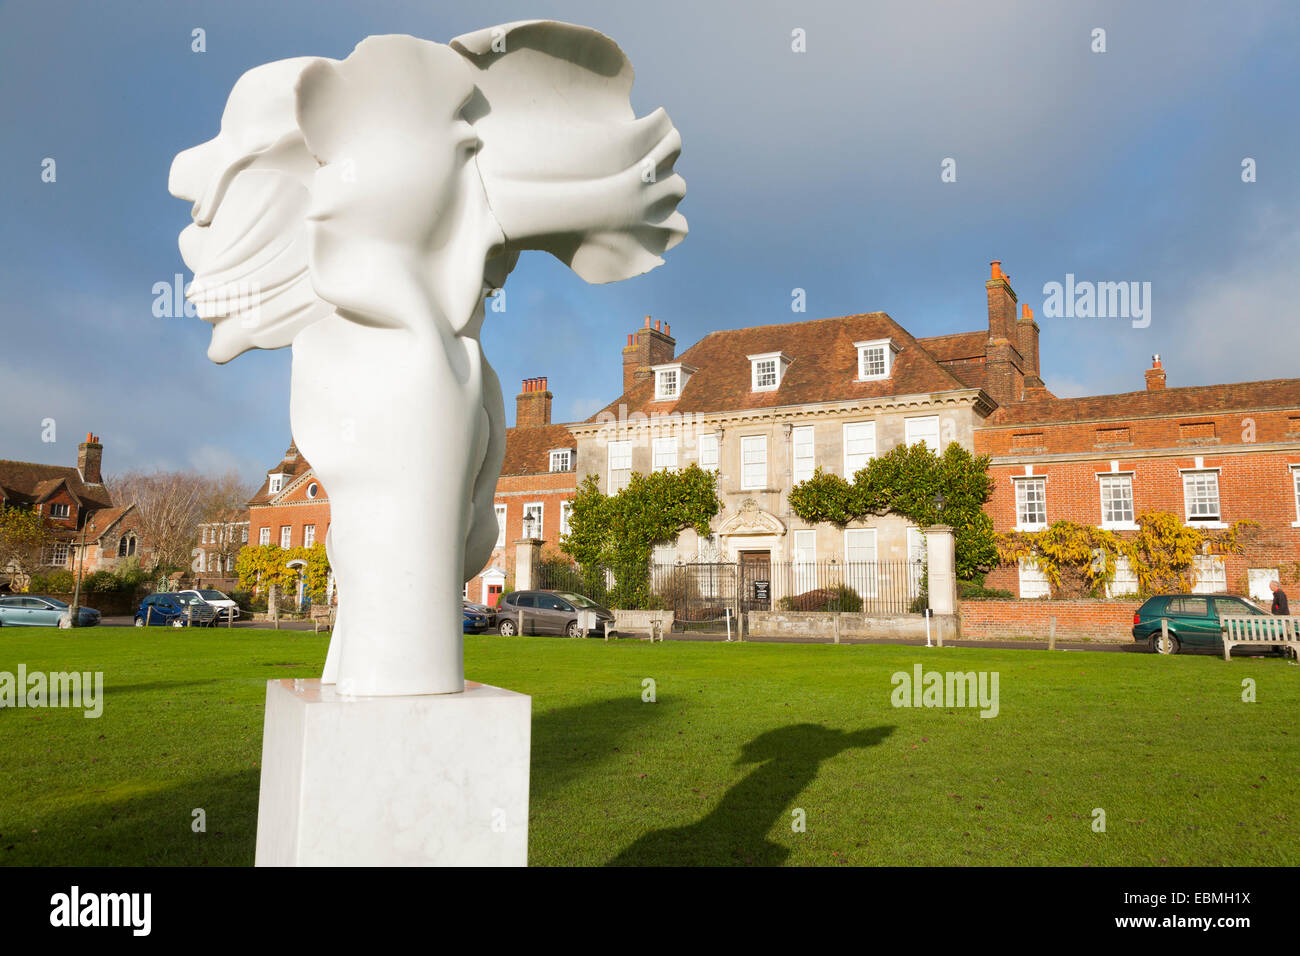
[1193, 620]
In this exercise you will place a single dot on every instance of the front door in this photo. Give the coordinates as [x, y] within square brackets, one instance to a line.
[756, 580]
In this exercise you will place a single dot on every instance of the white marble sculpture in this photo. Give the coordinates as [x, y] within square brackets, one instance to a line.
[360, 210]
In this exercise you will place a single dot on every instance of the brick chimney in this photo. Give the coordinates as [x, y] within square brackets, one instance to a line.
[1027, 342]
[1002, 303]
[533, 404]
[1004, 375]
[1155, 375]
[649, 345]
[90, 456]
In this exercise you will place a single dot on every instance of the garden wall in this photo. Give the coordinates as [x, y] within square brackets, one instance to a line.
[107, 603]
[826, 625]
[1092, 619]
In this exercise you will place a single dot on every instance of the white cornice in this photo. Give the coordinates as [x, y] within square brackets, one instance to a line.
[973, 398]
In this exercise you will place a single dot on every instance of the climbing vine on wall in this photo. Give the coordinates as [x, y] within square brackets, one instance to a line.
[1080, 559]
[907, 481]
[266, 564]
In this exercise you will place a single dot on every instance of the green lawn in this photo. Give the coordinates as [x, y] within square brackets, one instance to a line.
[739, 738]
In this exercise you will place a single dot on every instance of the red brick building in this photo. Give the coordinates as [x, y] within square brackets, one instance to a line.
[1211, 455]
[538, 480]
[291, 508]
[90, 532]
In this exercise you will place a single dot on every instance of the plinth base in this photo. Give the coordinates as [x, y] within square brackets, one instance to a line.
[439, 780]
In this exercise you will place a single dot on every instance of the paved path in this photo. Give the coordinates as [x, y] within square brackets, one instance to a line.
[129, 621]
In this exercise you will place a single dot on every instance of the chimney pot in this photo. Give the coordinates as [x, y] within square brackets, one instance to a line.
[647, 321]
[87, 436]
[995, 269]
[666, 328]
[533, 407]
[658, 327]
[1155, 375]
[630, 336]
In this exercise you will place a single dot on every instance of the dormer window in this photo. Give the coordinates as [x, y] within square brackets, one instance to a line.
[562, 459]
[59, 511]
[767, 369]
[277, 482]
[670, 380]
[875, 359]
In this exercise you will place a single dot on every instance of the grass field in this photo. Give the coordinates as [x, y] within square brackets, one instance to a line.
[713, 772]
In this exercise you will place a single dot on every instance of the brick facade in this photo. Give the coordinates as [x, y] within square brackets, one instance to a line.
[527, 481]
[87, 527]
[1098, 620]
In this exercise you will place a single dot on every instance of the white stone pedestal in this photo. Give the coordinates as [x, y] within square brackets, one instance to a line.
[438, 780]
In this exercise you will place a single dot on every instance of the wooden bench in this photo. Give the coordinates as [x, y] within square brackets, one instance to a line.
[322, 615]
[1259, 630]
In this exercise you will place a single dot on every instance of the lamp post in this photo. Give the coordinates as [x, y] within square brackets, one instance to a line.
[74, 612]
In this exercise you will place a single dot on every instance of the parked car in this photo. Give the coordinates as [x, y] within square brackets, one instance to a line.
[225, 605]
[1193, 620]
[474, 622]
[33, 610]
[488, 612]
[175, 609]
[549, 612]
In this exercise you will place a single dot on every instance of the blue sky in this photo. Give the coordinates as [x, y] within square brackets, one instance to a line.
[817, 170]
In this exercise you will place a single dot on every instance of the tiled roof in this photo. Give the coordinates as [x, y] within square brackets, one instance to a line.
[961, 353]
[105, 519]
[956, 345]
[25, 482]
[528, 449]
[1196, 399]
[824, 367]
[292, 466]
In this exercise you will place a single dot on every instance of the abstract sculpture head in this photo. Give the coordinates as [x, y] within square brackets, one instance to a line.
[358, 210]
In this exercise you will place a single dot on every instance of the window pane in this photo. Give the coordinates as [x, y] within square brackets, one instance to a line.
[1031, 501]
[709, 452]
[873, 361]
[665, 454]
[1033, 581]
[753, 455]
[620, 465]
[923, 430]
[804, 454]
[1117, 499]
[1201, 495]
[859, 446]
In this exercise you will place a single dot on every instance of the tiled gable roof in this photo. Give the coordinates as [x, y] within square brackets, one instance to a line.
[292, 466]
[1195, 399]
[528, 449]
[824, 367]
[26, 482]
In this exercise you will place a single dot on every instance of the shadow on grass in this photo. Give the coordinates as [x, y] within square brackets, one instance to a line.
[568, 741]
[154, 828]
[735, 832]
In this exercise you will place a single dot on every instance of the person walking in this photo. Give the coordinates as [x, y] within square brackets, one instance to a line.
[1280, 605]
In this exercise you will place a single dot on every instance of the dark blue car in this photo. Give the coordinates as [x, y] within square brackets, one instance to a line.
[175, 610]
[475, 623]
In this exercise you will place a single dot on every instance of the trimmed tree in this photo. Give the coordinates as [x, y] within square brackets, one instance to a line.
[619, 531]
[907, 481]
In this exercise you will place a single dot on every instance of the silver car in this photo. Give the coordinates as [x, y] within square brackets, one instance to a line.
[549, 612]
[32, 610]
